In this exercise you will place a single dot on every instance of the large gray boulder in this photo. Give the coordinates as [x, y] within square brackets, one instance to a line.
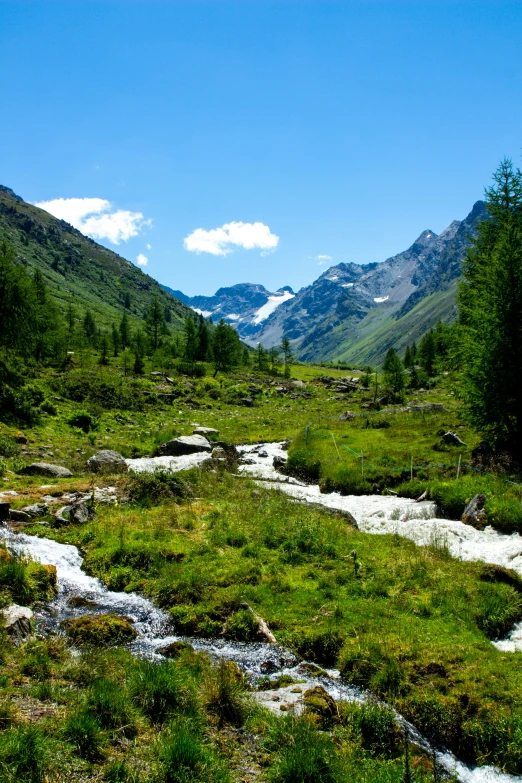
[36, 509]
[475, 512]
[186, 444]
[107, 461]
[17, 621]
[46, 469]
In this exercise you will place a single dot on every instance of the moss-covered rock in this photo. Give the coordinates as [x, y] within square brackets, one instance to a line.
[321, 706]
[102, 630]
[175, 649]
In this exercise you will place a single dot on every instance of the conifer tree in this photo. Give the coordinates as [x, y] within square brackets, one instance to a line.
[288, 355]
[408, 361]
[393, 375]
[426, 354]
[490, 307]
[124, 331]
[203, 340]
[225, 347]
[191, 339]
[89, 328]
[115, 337]
[104, 350]
[155, 323]
[261, 358]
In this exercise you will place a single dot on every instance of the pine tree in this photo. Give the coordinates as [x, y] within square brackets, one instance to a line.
[139, 364]
[155, 323]
[203, 341]
[89, 328]
[273, 355]
[71, 319]
[124, 331]
[261, 358]
[427, 353]
[104, 350]
[408, 361]
[490, 307]
[115, 336]
[191, 339]
[393, 375]
[288, 355]
[127, 300]
[225, 347]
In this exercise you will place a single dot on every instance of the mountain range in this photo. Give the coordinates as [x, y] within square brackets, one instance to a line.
[354, 312]
[351, 313]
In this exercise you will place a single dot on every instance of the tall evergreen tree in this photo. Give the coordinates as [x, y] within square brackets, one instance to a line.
[104, 350]
[225, 347]
[124, 331]
[191, 339]
[89, 328]
[115, 337]
[393, 375]
[261, 358]
[288, 354]
[490, 308]
[155, 323]
[203, 341]
[408, 361]
[427, 353]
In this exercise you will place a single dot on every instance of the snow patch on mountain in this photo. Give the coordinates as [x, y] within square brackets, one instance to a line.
[273, 303]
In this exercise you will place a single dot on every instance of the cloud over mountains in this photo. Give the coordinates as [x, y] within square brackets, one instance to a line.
[96, 218]
[222, 241]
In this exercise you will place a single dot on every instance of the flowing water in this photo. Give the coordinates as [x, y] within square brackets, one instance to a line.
[374, 514]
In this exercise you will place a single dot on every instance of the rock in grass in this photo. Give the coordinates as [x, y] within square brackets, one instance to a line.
[175, 649]
[19, 516]
[36, 509]
[475, 513]
[205, 431]
[46, 469]
[321, 706]
[107, 461]
[17, 621]
[186, 444]
[80, 513]
[79, 602]
[102, 630]
[452, 439]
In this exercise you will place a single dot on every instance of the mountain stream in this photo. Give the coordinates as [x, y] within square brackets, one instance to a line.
[374, 514]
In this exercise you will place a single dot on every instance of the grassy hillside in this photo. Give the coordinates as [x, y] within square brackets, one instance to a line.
[78, 270]
[369, 340]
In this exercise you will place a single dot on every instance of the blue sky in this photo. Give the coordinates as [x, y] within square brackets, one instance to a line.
[335, 129]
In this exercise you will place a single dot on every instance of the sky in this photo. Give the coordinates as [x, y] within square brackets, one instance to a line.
[214, 142]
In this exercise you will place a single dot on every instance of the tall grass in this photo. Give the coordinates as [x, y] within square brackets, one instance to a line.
[160, 689]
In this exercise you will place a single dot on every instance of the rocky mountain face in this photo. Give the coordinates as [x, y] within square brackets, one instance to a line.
[245, 306]
[79, 271]
[355, 312]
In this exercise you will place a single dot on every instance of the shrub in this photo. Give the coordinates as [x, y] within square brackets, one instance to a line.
[320, 646]
[242, 626]
[160, 689]
[110, 705]
[117, 773]
[306, 757]
[49, 407]
[15, 580]
[193, 369]
[83, 420]
[8, 447]
[185, 759]
[149, 488]
[301, 464]
[499, 608]
[377, 728]
[84, 732]
[225, 694]
[24, 754]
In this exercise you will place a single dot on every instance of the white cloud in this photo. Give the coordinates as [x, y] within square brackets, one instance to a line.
[149, 247]
[323, 259]
[96, 218]
[142, 260]
[221, 241]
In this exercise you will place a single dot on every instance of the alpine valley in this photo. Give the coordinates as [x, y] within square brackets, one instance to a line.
[354, 312]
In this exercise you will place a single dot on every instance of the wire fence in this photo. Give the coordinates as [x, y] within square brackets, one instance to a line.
[459, 466]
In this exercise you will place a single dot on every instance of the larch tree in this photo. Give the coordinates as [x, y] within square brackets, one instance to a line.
[490, 309]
